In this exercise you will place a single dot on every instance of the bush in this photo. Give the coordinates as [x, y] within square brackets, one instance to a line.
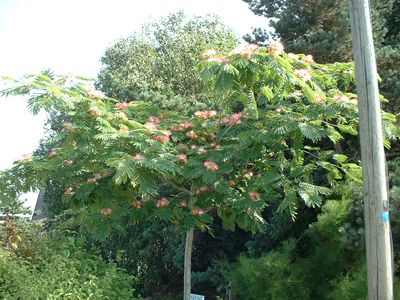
[60, 268]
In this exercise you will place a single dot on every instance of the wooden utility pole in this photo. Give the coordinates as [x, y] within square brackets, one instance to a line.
[376, 202]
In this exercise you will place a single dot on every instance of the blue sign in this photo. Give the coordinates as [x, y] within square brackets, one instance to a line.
[196, 297]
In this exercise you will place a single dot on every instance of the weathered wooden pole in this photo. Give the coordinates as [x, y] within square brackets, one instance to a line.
[376, 202]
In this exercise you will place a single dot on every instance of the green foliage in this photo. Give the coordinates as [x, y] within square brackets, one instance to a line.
[160, 63]
[323, 29]
[58, 267]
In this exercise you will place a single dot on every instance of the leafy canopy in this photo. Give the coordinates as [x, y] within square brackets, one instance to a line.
[270, 142]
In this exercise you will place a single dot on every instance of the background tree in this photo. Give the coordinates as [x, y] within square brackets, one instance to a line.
[160, 63]
[322, 28]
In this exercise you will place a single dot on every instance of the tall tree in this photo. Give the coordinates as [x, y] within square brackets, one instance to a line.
[322, 28]
[160, 63]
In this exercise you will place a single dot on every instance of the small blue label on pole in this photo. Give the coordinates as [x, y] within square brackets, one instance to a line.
[385, 216]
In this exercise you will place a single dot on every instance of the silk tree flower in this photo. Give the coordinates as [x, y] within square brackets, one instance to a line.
[182, 158]
[154, 119]
[191, 135]
[211, 165]
[293, 56]
[308, 59]
[303, 74]
[136, 204]
[205, 114]
[95, 94]
[94, 113]
[218, 59]
[255, 196]
[275, 48]
[122, 105]
[138, 156]
[162, 202]
[106, 211]
[150, 126]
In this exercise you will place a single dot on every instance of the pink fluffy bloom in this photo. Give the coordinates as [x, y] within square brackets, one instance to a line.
[235, 119]
[163, 139]
[69, 126]
[211, 165]
[182, 157]
[69, 191]
[303, 74]
[320, 99]
[293, 56]
[122, 105]
[136, 204]
[106, 211]
[68, 162]
[138, 156]
[94, 113]
[191, 135]
[254, 196]
[53, 153]
[150, 126]
[275, 48]
[308, 59]
[162, 202]
[92, 180]
[205, 114]
[154, 119]
[26, 158]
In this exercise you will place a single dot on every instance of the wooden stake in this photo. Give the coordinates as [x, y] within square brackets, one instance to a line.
[376, 202]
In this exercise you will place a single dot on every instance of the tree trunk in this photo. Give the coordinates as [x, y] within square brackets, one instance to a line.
[187, 277]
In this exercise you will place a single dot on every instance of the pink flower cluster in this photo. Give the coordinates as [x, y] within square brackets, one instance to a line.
[106, 211]
[95, 94]
[245, 50]
[69, 126]
[304, 74]
[205, 114]
[275, 48]
[138, 156]
[182, 126]
[69, 191]
[122, 105]
[136, 204]
[163, 138]
[162, 202]
[255, 196]
[211, 165]
[182, 158]
[232, 120]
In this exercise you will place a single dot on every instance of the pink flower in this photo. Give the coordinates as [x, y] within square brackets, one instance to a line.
[182, 157]
[184, 203]
[205, 114]
[150, 126]
[275, 48]
[211, 165]
[68, 162]
[320, 99]
[136, 204]
[308, 59]
[68, 126]
[163, 139]
[231, 183]
[26, 158]
[138, 156]
[210, 52]
[162, 202]
[201, 150]
[94, 113]
[254, 196]
[191, 135]
[224, 121]
[52, 153]
[303, 74]
[92, 180]
[235, 119]
[122, 105]
[69, 191]
[154, 119]
[106, 211]
[293, 56]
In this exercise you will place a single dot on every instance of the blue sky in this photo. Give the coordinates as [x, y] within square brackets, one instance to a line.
[70, 36]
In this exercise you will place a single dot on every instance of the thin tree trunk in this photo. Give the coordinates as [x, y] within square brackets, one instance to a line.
[187, 276]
